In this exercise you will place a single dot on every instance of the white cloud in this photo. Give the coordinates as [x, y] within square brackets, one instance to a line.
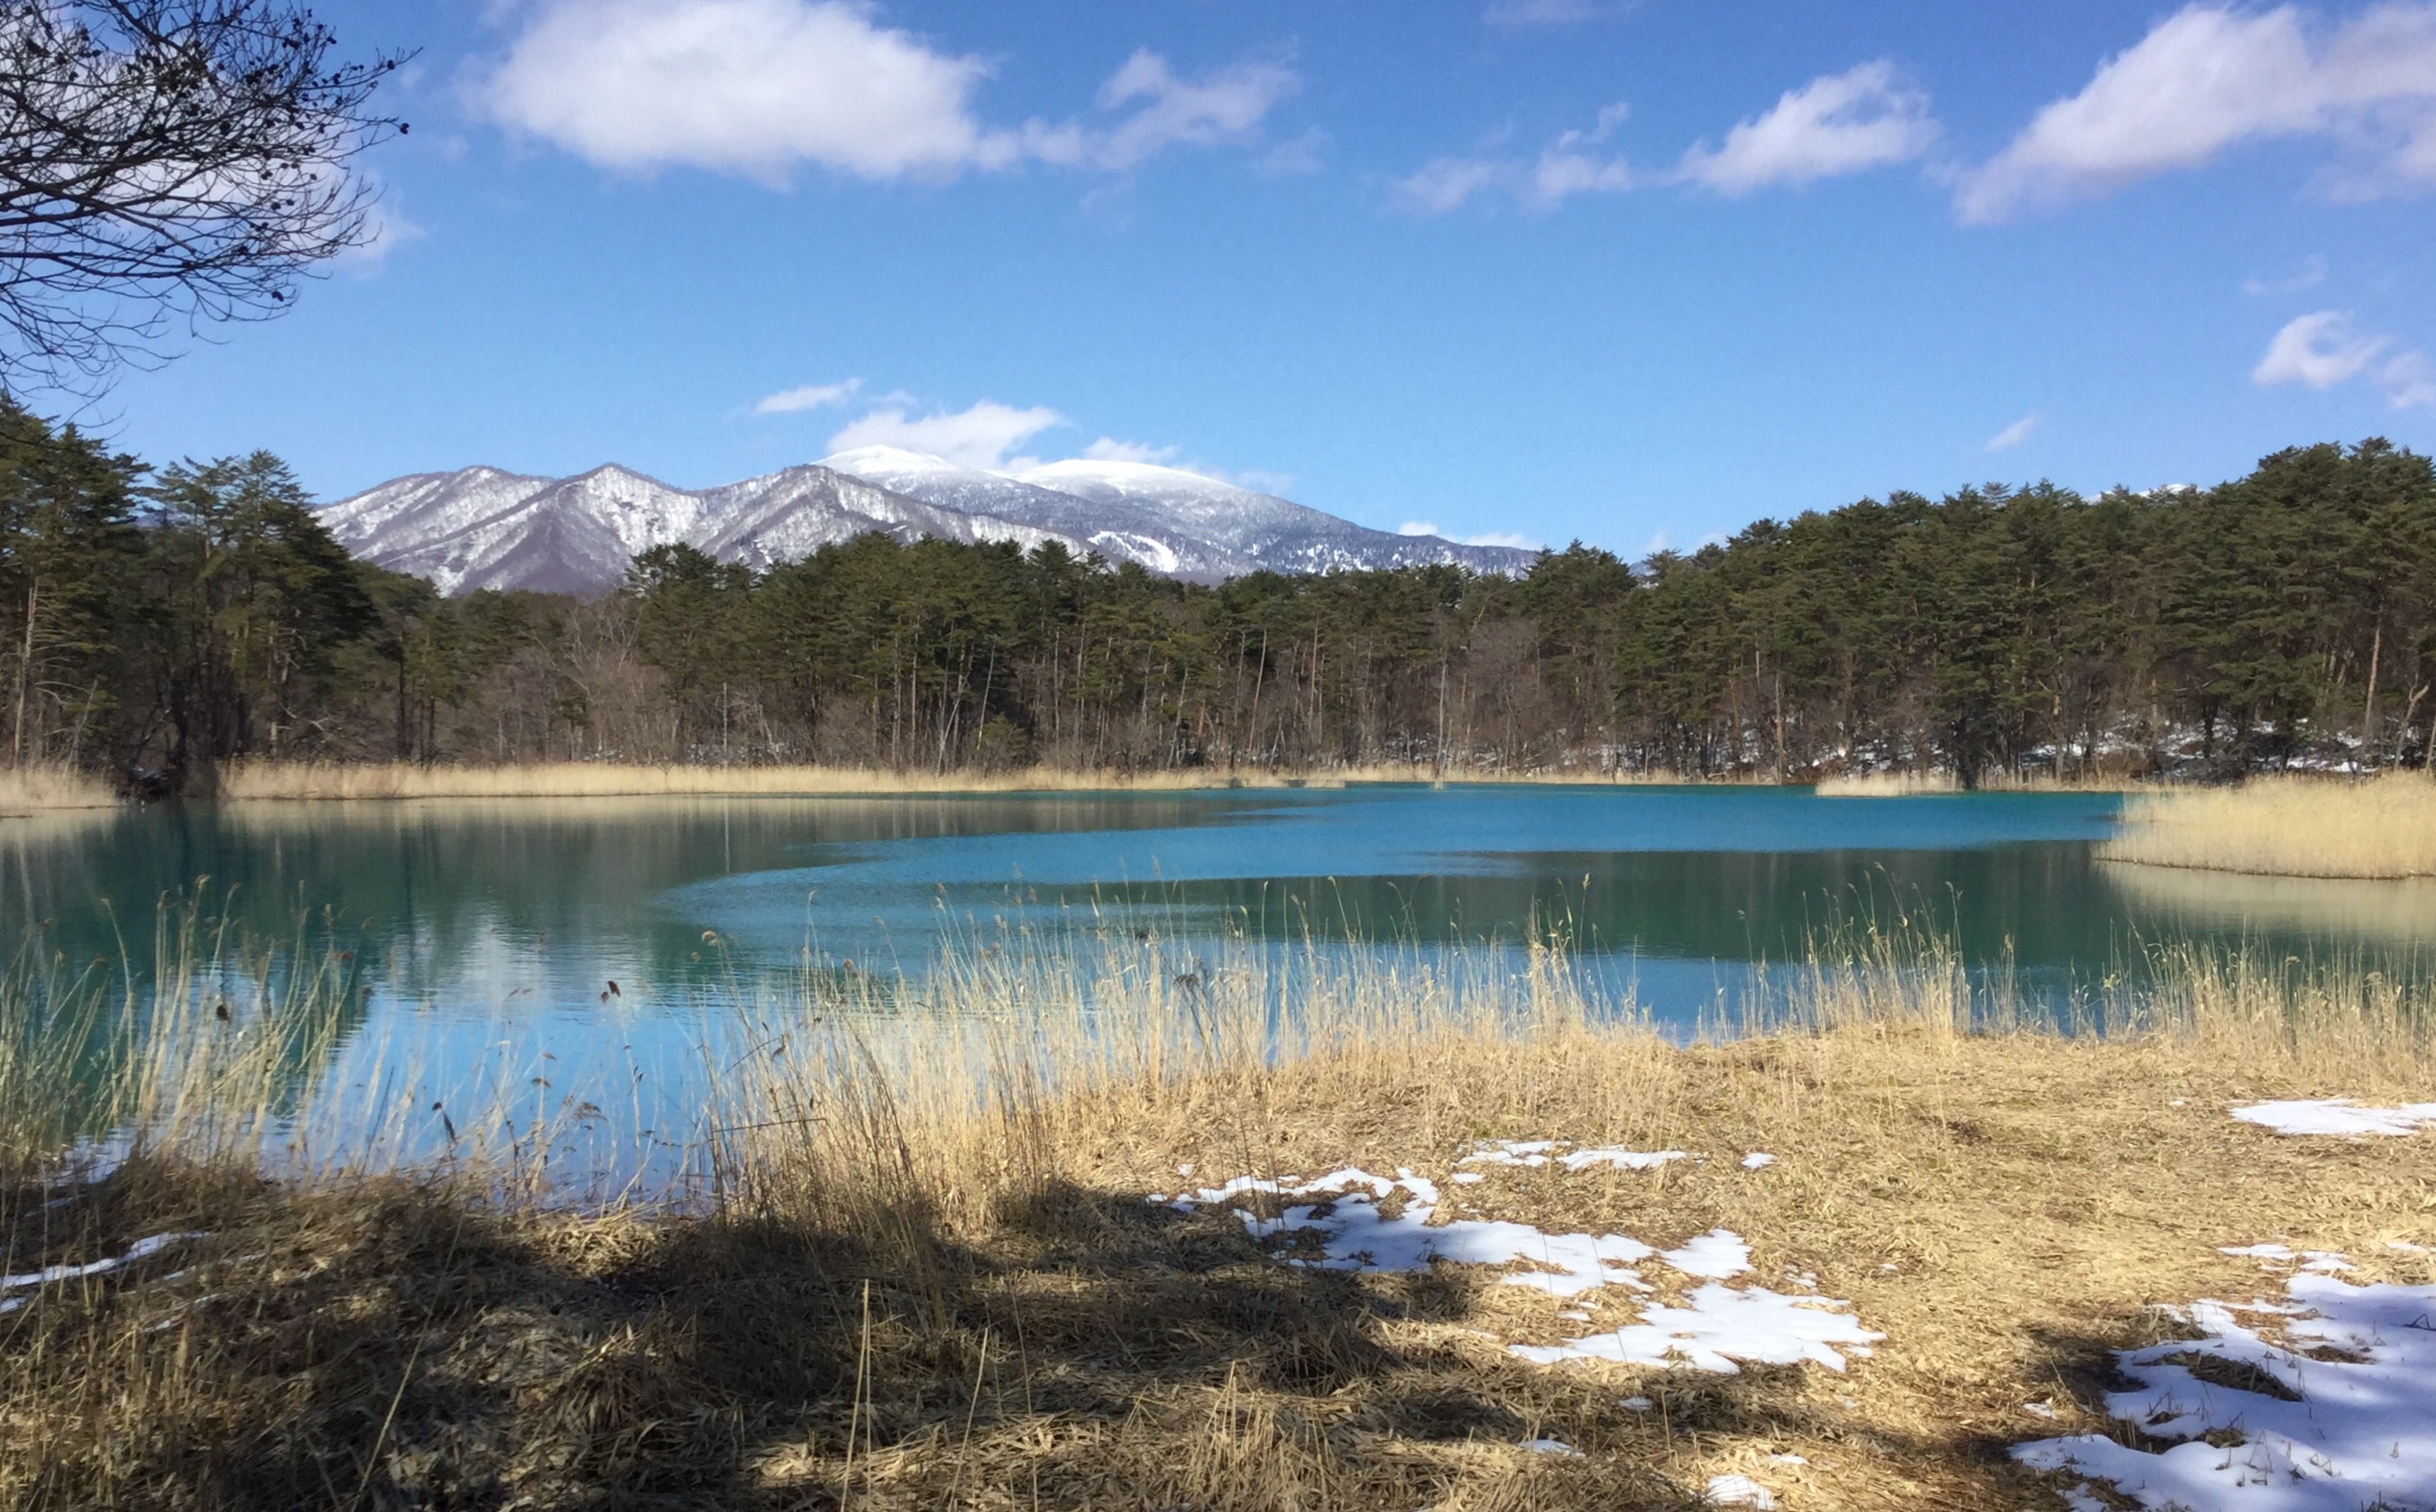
[2209, 77]
[1444, 184]
[1837, 124]
[812, 396]
[386, 229]
[2317, 351]
[1542, 12]
[1504, 538]
[740, 86]
[2323, 349]
[1225, 105]
[2312, 273]
[1304, 155]
[2014, 434]
[761, 87]
[1110, 449]
[979, 437]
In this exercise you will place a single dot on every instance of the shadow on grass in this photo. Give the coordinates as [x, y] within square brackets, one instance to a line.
[396, 1347]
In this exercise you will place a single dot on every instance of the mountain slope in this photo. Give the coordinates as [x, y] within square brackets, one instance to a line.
[1270, 531]
[482, 527]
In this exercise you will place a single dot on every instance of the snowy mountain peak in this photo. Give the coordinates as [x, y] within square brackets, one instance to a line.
[486, 528]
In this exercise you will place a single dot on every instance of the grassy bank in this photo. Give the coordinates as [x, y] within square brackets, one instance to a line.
[602, 780]
[37, 789]
[2289, 827]
[897, 1291]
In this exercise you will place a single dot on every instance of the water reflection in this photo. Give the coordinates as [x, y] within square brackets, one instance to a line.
[579, 951]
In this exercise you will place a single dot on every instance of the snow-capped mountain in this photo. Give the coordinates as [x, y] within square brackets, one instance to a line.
[482, 527]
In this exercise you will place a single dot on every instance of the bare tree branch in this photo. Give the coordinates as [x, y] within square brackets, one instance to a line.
[166, 163]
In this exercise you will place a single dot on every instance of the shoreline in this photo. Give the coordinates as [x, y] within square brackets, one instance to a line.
[1969, 1226]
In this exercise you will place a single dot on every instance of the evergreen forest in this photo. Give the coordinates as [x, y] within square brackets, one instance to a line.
[162, 623]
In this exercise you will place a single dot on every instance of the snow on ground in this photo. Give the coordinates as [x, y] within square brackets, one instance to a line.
[2337, 1116]
[1738, 1491]
[142, 1249]
[1354, 1220]
[1536, 1152]
[2331, 1409]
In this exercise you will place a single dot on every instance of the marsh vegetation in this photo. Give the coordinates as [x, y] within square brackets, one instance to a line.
[919, 1264]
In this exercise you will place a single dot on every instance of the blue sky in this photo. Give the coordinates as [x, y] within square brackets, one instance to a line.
[1633, 272]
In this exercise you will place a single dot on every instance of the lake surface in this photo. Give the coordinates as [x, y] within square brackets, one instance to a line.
[493, 928]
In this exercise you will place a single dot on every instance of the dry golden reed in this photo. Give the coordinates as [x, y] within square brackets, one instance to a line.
[33, 789]
[2289, 827]
[400, 780]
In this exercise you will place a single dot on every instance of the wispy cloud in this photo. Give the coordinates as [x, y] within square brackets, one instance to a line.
[809, 397]
[2312, 273]
[1504, 538]
[1110, 449]
[1865, 118]
[1862, 118]
[1545, 13]
[2016, 433]
[2211, 76]
[759, 88]
[981, 436]
[2325, 349]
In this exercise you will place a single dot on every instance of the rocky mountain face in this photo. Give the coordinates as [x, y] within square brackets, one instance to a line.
[481, 528]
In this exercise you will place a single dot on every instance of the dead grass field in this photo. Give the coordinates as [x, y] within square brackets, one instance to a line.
[570, 779]
[2384, 828]
[904, 1298]
[37, 789]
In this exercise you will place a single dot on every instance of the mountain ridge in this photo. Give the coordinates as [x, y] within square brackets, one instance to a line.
[484, 527]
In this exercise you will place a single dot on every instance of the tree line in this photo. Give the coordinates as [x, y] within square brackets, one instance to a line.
[159, 624]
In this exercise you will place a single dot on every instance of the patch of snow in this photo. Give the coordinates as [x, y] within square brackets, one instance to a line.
[1717, 1254]
[2325, 1261]
[1510, 1153]
[1719, 1330]
[1552, 1446]
[1758, 1160]
[2337, 1116]
[1637, 1404]
[1343, 1207]
[1536, 1152]
[1716, 1327]
[1738, 1491]
[1786, 1459]
[2039, 1409]
[2359, 1363]
[1467, 1178]
[1619, 1159]
[141, 1249]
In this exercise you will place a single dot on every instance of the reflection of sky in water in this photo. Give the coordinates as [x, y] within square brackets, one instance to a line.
[489, 932]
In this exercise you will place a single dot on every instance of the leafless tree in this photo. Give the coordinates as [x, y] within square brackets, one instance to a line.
[167, 163]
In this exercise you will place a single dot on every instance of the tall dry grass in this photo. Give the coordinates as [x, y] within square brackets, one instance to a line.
[400, 780]
[2289, 827]
[33, 789]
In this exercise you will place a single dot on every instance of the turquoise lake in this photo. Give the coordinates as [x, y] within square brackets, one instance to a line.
[492, 929]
